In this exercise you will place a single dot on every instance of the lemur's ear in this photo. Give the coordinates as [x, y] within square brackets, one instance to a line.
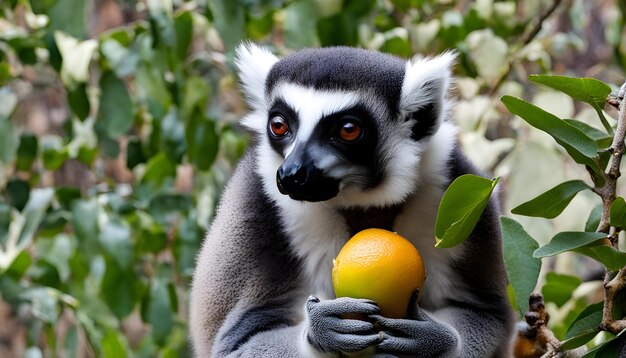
[253, 64]
[424, 92]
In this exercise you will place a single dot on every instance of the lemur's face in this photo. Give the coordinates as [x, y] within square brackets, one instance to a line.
[341, 125]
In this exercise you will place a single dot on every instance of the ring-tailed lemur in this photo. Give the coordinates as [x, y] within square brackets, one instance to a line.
[345, 139]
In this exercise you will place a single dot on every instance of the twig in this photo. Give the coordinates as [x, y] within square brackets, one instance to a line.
[529, 34]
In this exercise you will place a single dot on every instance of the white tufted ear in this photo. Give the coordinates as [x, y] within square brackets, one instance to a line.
[253, 64]
[426, 83]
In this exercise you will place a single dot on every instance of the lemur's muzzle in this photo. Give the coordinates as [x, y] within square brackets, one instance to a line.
[299, 178]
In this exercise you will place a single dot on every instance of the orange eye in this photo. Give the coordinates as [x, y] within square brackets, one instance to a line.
[278, 126]
[350, 132]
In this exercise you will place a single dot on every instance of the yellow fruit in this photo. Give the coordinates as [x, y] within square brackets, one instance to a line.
[381, 266]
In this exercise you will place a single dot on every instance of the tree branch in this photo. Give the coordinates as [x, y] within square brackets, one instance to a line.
[613, 286]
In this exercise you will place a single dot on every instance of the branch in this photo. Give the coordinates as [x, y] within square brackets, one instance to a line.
[613, 286]
[529, 34]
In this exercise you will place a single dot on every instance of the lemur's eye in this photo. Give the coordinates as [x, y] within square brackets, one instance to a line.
[350, 131]
[278, 126]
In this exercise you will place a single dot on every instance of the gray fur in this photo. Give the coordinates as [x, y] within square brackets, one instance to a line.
[266, 253]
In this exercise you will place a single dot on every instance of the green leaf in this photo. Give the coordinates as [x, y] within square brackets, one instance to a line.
[152, 89]
[173, 137]
[8, 141]
[603, 139]
[78, 101]
[587, 320]
[579, 340]
[559, 288]
[300, 23]
[159, 169]
[134, 153]
[123, 61]
[608, 349]
[117, 289]
[567, 241]
[611, 258]
[157, 310]
[183, 25]
[618, 213]
[229, 20]
[337, 30]
[26, 152]
[115, 239]
[551, 203]
[521, 267]
[593, 221]
[34, 211]
[115, 115]
[85, 224]
[565, 134]
[589, 90]
[202, 141]
[112, 345]
[69, 16]
[460, 209]
[18, 193]
[196, 95]
[53, 154]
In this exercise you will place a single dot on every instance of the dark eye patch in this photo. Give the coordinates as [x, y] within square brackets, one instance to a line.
[281, 109]
[360, 151]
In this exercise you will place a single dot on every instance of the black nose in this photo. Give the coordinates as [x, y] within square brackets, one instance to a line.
[305, 182]
[291, 178]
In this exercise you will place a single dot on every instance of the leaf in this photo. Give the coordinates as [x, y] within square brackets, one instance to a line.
[587, 320]
[202, 141]
[229, 20]
[559, 288]
[115, 114]
[183, 24]
[117, 289]
[152, 89]
[18, 193]
[579, 340]
[589, 90]
[618, 213]
[551, 203]
[85, 224]
[300, 23]
[8, 141]
[521, 267]
[173, 137]
[603, 139]
[565, 134]
[593, 221]
[78, 101]
[157, 310]
[608, 349]
[26, 152]
[158, 170]
[112, 345]
[460, 209]
[33, 212]
[567, 241]
[611, 258]
[115, 239]
[69, 16]
[123, 61]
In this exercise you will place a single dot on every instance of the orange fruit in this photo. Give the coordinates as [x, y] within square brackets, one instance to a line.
[381, 266]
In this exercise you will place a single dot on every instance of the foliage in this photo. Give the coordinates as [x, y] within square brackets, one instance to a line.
[117, 133]
[600, 242]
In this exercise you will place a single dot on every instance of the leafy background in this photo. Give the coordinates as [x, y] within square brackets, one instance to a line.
[118, 131]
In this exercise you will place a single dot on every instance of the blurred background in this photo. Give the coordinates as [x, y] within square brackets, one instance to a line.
[118, 130]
